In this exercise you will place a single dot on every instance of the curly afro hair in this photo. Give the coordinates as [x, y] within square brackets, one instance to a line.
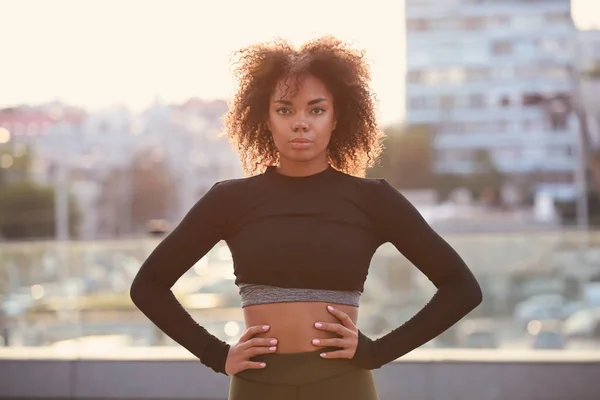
[356, 142]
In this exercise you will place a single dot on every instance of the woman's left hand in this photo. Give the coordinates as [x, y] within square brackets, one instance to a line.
[346, 329]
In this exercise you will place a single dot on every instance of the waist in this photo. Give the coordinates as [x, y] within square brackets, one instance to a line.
[293, 324]
[297, 368]
[252, 294]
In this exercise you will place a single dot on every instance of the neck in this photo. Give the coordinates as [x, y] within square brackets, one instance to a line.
[294, 168]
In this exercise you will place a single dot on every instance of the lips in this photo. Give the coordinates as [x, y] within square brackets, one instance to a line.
[300, 141]
[301, 144]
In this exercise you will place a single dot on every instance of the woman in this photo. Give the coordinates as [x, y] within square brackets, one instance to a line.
[302, 229]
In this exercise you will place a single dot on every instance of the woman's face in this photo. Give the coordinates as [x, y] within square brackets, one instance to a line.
[301, 123]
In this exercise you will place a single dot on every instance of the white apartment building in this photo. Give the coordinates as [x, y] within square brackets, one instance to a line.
[495, 75]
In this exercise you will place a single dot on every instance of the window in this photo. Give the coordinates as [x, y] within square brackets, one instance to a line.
[432, 77]
[444, 24]
[558, 110]
[503, 73]
[446, 102]
[557, 177]
[476, 74]
[550, 45]
[476, 100]
[558, 17]
[555, 72]
[502, 47]
[529, 22]
[447, 51]
[532, 99]
[510, 153]
[502, 126]
[498, 21]
[418, 102]
[418, 25]
[455, 75]
[526, 72]
[414, 76]
[473, 23]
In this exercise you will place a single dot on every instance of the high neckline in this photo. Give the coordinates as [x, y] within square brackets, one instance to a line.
[272, 171]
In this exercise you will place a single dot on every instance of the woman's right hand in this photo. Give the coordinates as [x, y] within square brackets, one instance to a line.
[248, 346]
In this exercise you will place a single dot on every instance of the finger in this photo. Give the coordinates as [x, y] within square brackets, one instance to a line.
[259, 342]
[342, 316]
[252, 331]
[253, 365]
[337, 354]
[337, 328]
[255, 351]
[334, 342]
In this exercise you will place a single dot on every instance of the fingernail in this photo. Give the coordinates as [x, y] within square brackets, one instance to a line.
[263, 364]
[322, 354]
[272, 348]
[318, 324]
[273, 341]
[265, 327]
[316, 341]
[330, 308]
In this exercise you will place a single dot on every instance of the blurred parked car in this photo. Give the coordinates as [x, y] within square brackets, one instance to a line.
[546, 335]
[547, 306]
[477, 334]
[583, 324]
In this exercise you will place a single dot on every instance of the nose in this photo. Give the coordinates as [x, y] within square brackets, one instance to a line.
[300, 125]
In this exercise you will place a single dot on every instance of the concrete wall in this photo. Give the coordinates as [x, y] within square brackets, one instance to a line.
[422, 375]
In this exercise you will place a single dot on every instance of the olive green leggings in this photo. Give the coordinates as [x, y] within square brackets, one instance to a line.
[303, 376]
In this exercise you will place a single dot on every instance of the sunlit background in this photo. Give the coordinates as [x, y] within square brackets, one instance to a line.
[110, 115]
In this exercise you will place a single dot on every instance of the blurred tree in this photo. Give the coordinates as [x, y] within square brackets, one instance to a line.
[15, 163]
[484, 183]
[486, 178]
[408, 157]
[27, 211]
[592, 73]
[592, 153]
[153, 192]
[142, 192]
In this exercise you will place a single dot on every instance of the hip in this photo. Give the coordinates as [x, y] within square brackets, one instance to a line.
[303, 375]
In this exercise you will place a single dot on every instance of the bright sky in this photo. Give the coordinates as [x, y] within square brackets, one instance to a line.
[95, 53]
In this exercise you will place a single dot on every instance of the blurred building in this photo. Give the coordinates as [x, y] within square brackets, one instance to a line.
[199, 155]
[494, 75]
[93, 156]
[587, 59]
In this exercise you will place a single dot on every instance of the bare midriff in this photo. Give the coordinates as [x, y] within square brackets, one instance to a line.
[293, 324]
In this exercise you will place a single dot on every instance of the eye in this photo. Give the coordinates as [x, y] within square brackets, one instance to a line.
[282, 111]
[318, 111]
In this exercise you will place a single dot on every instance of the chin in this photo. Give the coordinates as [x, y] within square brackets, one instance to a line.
[301, 157]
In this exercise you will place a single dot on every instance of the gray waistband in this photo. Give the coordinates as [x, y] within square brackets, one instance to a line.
[262, 294]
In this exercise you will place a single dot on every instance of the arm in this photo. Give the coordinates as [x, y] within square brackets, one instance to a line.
[202, 227]
[457, 289]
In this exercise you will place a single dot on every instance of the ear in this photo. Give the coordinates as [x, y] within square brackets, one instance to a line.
[334, 125]
[268, 125]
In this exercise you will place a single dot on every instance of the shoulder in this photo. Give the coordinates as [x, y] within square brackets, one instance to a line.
[226, 191]
[236, 184]
[367, 186]
[377, 196]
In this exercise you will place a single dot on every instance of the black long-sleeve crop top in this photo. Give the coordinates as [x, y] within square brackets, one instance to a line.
[318, 231]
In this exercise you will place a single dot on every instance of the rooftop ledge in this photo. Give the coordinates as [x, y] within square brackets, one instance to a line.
[417, 356]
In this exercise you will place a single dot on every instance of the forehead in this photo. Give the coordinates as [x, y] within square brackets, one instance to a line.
[300, 87]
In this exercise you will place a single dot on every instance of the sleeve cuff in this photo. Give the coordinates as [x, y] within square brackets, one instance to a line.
[216, 356]
[365, 352]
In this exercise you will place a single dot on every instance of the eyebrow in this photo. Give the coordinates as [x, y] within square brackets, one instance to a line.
[310, 103]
